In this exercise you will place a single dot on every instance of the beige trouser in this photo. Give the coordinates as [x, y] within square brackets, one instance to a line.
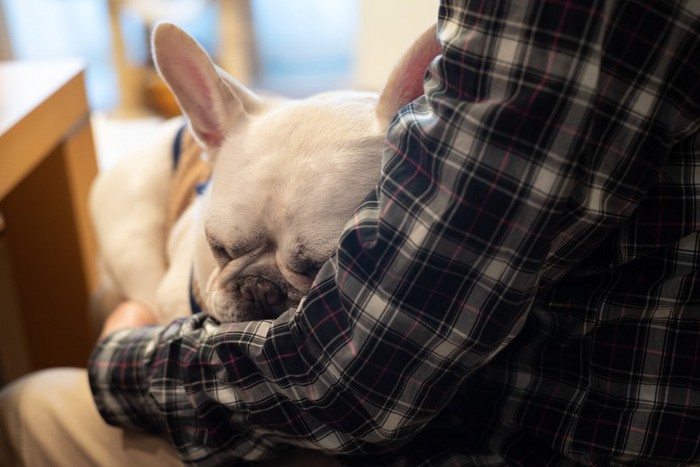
[49, 419]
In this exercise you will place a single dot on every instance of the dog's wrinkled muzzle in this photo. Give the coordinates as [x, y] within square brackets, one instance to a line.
[248, 298]
[263, 295]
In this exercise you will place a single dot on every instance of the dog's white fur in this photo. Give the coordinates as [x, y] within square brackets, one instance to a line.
[287, 175]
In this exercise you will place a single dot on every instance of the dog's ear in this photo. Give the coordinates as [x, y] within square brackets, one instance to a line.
[405, 82]
[213, 101]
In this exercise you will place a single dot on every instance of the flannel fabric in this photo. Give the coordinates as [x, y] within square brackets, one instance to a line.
[522, 288]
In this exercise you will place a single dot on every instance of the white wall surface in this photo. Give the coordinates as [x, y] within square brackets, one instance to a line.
[386, 30]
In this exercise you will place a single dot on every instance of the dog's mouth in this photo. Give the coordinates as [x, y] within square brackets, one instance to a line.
[261, 298]
[250, 298]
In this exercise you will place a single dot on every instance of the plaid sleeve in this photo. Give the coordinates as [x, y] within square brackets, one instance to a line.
[542, 130]
[120, 389]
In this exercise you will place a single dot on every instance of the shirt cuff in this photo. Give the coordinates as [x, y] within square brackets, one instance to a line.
[118, 379]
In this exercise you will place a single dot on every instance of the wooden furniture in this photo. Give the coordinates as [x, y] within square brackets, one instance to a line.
[141, 91]
[47, 162]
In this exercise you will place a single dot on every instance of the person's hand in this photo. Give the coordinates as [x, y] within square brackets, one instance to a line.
[129, 314]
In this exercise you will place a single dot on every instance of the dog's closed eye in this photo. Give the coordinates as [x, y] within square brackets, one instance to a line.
[306, 267]
[234, 250]
[220, 253]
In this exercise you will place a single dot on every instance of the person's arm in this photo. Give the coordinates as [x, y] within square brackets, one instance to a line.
[433, 276]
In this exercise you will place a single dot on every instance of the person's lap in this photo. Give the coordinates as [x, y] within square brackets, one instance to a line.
[49, 419]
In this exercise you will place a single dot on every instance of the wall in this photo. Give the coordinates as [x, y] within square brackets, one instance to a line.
[386, 29]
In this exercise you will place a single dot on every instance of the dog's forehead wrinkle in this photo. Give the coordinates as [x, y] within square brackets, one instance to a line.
[243, 246]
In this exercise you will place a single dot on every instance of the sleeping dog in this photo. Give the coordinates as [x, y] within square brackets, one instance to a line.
[280, 179]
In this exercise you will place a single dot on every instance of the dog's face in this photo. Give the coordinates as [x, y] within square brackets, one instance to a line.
[287, 175]
[284, 185]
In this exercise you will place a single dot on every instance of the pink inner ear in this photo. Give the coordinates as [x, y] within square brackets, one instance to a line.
[198, 99]
[406, 81]
[197, 80]
[413, 84]
[419, 57]
[211, 139]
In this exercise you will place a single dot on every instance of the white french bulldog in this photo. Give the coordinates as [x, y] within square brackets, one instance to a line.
[286, 177]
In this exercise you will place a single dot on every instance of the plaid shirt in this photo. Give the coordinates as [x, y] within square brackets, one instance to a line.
[522, 288]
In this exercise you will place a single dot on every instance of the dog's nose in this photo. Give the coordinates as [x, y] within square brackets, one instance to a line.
[262, 292]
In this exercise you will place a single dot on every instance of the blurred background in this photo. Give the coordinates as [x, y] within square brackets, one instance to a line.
[292, 47]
